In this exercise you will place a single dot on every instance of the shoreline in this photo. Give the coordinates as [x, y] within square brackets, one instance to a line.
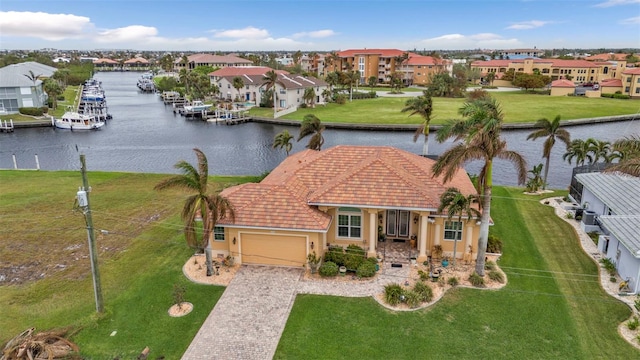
[384, 127]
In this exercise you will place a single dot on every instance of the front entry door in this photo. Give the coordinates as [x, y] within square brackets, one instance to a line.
[398, 223]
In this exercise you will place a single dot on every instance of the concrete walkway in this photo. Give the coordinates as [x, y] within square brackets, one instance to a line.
[249, 318]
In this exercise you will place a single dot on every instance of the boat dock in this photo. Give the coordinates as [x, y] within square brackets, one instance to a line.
[6, 126]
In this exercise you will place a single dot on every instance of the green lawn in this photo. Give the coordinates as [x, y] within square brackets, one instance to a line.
[140, 260]
[552, 307]
[70, 94]
[517, 108]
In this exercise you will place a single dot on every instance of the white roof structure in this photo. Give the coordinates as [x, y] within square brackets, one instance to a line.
[625, 228]
[14, 75]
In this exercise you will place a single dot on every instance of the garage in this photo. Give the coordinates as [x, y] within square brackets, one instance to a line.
[269, 249]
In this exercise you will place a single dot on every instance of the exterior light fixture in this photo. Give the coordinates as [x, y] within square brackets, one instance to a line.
[312, 245]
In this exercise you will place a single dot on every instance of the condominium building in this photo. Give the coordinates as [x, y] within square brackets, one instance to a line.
[217, 61]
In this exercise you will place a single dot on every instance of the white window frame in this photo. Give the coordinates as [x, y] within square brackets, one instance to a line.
[453, 232]
[350, 214]
[218, 233]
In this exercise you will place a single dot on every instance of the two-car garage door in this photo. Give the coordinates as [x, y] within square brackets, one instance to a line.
[267, 249]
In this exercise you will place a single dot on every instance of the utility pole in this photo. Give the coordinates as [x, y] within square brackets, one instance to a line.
[83, 202]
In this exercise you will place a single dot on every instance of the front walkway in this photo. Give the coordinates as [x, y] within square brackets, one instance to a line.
[249, 318]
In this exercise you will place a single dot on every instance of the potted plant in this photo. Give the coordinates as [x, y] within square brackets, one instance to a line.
[314, 262]
[445, 261]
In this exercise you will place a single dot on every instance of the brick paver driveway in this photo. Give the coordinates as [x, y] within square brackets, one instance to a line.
[249, 318]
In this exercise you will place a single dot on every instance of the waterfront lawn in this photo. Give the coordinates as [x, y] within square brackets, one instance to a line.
[140, 259]
[551, 308]
[70, 95]
[517, 108]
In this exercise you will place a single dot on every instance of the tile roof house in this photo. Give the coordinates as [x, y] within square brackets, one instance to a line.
[341, 196]
[289, 88]
[217, 61]
[562, 87]
[18, 90]
[612, 205]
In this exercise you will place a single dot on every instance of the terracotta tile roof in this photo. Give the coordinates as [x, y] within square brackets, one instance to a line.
[617, 83]
[423, 60]
[214, 59]
[137, 60]
[381, 52]
[572, 63]
[492, 63]
[361, 176]
[632, 71]
[609, 56]
[104, 61]
[563, 83]
[244, 70]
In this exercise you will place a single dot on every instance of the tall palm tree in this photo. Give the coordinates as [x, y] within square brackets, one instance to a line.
[309, 96]
[270, 80]
[600, 150]
[481, 134]
[311, 125]
[553, 131]
[458, 204]
[33, 77]
[578, 149]
[283, 141]
[332, 78]
[238, 84]
[200, 205]
[423, 106]
[629, 155]
[53, 89]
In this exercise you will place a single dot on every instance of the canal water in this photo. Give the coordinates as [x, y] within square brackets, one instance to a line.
[145, 136]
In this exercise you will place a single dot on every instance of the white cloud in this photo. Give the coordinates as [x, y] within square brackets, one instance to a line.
[249, 32]
[610, 3]
[474, 41]
[525, 25]
[53, 27]
[631, 21]
[133, 33]
[314, 34]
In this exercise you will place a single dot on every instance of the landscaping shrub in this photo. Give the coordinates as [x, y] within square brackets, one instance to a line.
[412, 299]
[494, 244]
[367, 95]
[33, 111]
[453, 281]
[366, 269]
[609, 266]
[328, 268]
[476, 280]
[335, 254]
[636, 304]
[60, 97]
[392, 293]
[341, 99]
[354, 256]
[496, 276]
[633, 323]
[372, 260]
[489, 265]
[424, 292]
[423, 275]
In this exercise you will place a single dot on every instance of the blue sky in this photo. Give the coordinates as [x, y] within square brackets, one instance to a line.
[306, 25]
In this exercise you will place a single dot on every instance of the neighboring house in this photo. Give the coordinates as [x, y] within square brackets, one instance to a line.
[612, 201]
[217, 61]
[562, 87]
[418, 70]
[521, 53]
[631, 82]
[289, 88]
[17, 90]
[340, 196]
[137, 64]
[313, 64]
[105, 64]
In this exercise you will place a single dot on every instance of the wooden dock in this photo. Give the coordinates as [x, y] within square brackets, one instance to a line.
[6, 126]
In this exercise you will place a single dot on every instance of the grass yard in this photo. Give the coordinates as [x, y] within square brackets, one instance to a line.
[70, 94]
[140, 259]
[517, 108]
[552, 307]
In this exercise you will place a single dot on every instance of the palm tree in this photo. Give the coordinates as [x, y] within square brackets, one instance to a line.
[33, 77]
[600, 150]
[628, 150]
[490, 77]
[332, 78]
[553, 131]
[238, 84]
[311, 125]
[210, 208]
[270, 80]
[457, 204]
[423, 106]
[481, 134]
[53, 89]
[283, 141]
[309, 96]
[578, 149]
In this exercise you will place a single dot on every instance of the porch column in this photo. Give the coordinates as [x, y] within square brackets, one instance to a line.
[424, 222]
[373, 233]
[469, 238]
[436, 241]
[324, 241]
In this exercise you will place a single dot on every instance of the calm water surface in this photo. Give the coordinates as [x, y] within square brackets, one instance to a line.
[145, 136]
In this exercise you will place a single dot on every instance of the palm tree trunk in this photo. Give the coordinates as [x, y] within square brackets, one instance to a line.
[274, 102]
[425, 145]
[208, 259]
[546, 172]
[484, 220]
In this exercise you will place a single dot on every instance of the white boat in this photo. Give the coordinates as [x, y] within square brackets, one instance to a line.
[75, 121]
[197, 106]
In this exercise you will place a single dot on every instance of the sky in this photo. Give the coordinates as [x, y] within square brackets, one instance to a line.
[318, 25]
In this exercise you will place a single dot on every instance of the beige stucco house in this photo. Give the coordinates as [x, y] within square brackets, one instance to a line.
[340, 196]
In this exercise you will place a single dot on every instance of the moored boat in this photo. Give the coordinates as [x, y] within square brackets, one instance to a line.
[75, 121]
[197, 106]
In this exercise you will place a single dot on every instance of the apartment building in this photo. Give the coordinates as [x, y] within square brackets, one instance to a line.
[217, 61]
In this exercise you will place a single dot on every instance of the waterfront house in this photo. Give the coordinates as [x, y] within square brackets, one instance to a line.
[340, 196]
[18, 90]
[217, 61]
[105, 64]
[137, 64]
[611, 203]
